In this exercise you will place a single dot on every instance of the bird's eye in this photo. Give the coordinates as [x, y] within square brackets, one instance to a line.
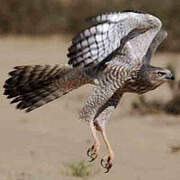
[160, 74]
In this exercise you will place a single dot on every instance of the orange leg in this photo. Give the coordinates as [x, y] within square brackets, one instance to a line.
[106, 162]
[93, 151]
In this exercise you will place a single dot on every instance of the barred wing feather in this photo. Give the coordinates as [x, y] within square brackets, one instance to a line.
[113, 30]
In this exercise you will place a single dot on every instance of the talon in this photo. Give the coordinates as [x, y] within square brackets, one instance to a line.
[102, 163]
[89, 152]
[107, 164]
[108, 167]
[92, 153]
[93, 158]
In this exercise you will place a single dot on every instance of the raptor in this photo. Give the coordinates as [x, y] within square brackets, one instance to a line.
[113, 55]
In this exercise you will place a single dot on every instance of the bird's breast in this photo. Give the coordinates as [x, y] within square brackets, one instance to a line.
[137, 85]
[115, 75]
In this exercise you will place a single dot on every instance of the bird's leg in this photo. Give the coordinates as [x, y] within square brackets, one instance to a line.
[93, 151]
[106, 162]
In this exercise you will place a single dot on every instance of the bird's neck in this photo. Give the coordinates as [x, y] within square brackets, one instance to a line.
[138, 81]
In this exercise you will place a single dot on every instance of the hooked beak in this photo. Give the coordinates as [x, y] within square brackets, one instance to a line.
[171, 77]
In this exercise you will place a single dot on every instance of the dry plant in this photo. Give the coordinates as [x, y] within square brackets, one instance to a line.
[79, 169]
[143, 106]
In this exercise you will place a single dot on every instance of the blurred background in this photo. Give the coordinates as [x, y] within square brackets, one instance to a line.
[47, 17]
[50, 143]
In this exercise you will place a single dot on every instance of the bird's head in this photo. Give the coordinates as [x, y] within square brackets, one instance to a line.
[158, 76]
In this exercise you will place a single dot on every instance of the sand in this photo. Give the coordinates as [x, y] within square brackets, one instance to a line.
[35, 146]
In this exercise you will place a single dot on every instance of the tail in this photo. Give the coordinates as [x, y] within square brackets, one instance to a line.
[33, 86]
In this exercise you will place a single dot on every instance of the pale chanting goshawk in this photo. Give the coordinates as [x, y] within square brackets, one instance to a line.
[113, 55]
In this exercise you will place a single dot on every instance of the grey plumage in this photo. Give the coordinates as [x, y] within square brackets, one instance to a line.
[112, 31]
[160, 36]
[114, 55]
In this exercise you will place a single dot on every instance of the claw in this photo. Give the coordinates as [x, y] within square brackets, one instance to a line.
[107, 164]
[92, 153]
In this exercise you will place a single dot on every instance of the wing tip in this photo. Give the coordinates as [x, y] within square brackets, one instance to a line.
[99, 17]
[133, 11]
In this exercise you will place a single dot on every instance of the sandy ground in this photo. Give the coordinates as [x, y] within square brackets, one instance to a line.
[35, 146]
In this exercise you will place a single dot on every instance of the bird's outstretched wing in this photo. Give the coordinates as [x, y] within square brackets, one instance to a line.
[160, 36]
[111, 32]
[142, 47]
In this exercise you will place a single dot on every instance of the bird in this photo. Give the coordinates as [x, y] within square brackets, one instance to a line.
[113, 55]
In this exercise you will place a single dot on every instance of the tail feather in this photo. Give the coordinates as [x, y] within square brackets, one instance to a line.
[33, 86]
